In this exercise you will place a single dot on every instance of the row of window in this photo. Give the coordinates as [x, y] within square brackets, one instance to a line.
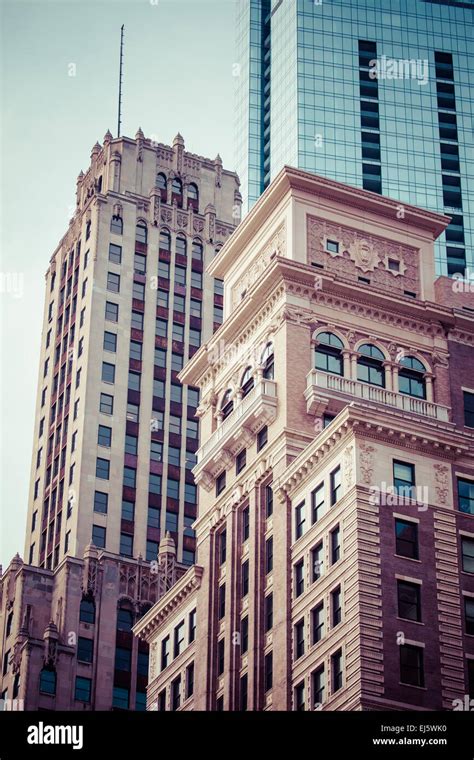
[247, 381]
[175, 690]
[173, 646]
[241, 460]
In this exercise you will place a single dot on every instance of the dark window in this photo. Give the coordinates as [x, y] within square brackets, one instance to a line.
[104, 436]
[116, 225]
[110, 342]
[317, 623]
[335, 545]
[192, 626]
[409, 600]
[108, 372]
[328, 353]
[115, 253]
[406, 538]
[220, 657]
[227, 405]
[336, 671]
[221, 603]
[468, 409]
[111, 311]
[178, 643]
[403, 478]
[466, 496]
[336, 608]
[98, 536]
[151, 551]
[300, 519]
[268, 501]
[300, 697]
[467, 552]
[82, 691]
[190, 680]
[411, 665]
[299, 578]
[240, 461]
[245, 524]
[135, 350]
[370, 365]
[165, 652]
[269, 554]
[120, 698]
[128, 510]
[317, 561]
[222, 546]
[243, 692]
[141, 232]
[87, 611]
[134, 379]
[318, 686]
[124, 619]
[299, 639]
[176, 693]
[47, 683]
[469, 614]
[335, 485]
[85, 649]
[268, 613]
[268, 671]
[411, 379]
[126, 545]
[262, 438]
[113, 282]
[106, 403]
[317, 503]
[102, 468]
[245, 579]
[100, 502]
[220, 483]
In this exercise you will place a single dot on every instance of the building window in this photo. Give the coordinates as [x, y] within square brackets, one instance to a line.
[336, 671]
[468, 409]
[243, 701]
[115, 253]
[176, 362]
[240, 461]
[102, 468]
[126, 545]
[141, 233]
[409, 600]
[269, 555]
[111, 311]
[194, 337]
[317, 503]
[151, 551]
[87, 611]
[267, 360]
[47, 684]
[328, 354]
[192, 626]
[113, 282]
[110, 342]
[134, 380]
[299, 578]
[299, 639]
[268, 671]
[411, 377]
[106, 404]
[197, 250]
[137, 320]
[154, 485]
[262, 438]
[108, 372]
[227, 405]
[317, 561]
[195, 308]
[135, 350]
[317, 623]
[178, 645]
[139, 263]
[220, 657]
[403, 478]
[336, 607]
[82, 692]
[335, 545]
[132, 412]
[406, 538]
[222, 546]
[162, 701]
[467, 553]
[221, 602]
[244, 579]
[335, 485]
[101, 501]
[469, 614]
[268, 612]
[190, 680]
[120, 698]
[180, 276]
[245, 524]
[163, 270]
[412, 665]
[85, 649]
[165, 652]
[268, 501]
[220, 483]
[317, 687]
[116, 225]
[98, 536]
[300, 519]
[128, 510]
[466, 496]
[300, 697]
[370, 365]
[172, 490]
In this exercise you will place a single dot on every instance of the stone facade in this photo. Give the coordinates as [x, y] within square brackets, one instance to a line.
[333, 539]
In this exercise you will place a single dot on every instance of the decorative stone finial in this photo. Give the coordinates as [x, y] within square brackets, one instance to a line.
[107, 136]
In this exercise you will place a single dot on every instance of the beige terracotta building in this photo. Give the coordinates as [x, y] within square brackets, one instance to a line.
[335, 530]
[128, 302]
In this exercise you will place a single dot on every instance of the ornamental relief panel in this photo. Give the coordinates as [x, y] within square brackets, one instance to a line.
[353, 254]
[275, 246]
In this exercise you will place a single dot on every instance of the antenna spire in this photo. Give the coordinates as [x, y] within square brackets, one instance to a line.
[119, 117]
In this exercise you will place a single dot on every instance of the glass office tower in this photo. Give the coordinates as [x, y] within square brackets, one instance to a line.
[375, 93]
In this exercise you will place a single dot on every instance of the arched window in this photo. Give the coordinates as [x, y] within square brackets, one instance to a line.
[197, 250]
[47, 684]
[227, 406]
[181, 245]
[165, 240]
[328, 353]
[177, 192]
[193, 196]
[247, 381]
[370, 367]
[161, 181]
[124, 618]
[116, 225]
[87, 611]
[141, 232]
[268, 362]
[411, 377]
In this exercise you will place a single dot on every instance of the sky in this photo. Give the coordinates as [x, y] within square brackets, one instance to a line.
[178, 58]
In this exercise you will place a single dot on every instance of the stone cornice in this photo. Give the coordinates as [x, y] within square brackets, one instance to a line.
[437, 439]
[177, 594]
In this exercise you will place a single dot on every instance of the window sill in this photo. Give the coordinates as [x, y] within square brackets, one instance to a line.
[410, 559]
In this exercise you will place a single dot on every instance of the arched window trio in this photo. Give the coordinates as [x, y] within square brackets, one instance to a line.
[186, 196]
[367, 363]
[265, 370]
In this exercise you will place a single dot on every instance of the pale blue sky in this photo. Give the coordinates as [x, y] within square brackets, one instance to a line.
[178, 77]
